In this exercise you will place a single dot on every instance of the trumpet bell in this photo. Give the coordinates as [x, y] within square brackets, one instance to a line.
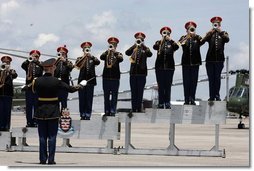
[215, 25]
[30, 59]
[111, 47]
[2, 67]
[87, 50]
[164, 33]
[139, 42]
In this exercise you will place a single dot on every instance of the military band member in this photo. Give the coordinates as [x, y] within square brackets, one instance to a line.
[215, 58]
[165, 66]
[47, 87]
[138, 70]
[86, 64]
[62, 72]
[111, 76]
[33, 69]
[6, 92]
[191, 60]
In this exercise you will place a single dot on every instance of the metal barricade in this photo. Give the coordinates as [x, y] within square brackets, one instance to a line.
[204, 113]
[95, 128]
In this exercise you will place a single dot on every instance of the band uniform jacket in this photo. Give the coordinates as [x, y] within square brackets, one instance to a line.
[87, 72]
[35, 69]
[7, 89]
[165, 54]
[63, 70]
[139, 67]
[216, 42]
[191, 51]
[47, 88]
[111, 69]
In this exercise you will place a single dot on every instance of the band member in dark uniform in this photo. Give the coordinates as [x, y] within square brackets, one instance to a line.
[191, 60]
[86, 64]
[111, 76]
[138, 71]
[215, 58]
[165, 66]
[33, 69]
[48, 112]
[62, 72]
[6, 92]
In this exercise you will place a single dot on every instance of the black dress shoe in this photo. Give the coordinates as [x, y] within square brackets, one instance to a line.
[104, 117]
[42, 162]
[51, 162]
[218, 99]
[160, 106]
[186, 103]
[193, 102]
[4, 129]
[83, 118]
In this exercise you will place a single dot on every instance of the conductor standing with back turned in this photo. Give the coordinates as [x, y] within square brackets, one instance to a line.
[48, 112]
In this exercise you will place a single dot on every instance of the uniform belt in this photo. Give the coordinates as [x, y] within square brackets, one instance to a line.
[48, 99]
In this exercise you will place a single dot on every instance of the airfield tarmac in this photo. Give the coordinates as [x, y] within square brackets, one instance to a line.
[155, 136]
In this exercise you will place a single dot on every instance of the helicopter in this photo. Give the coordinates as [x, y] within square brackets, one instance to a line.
[238, 101]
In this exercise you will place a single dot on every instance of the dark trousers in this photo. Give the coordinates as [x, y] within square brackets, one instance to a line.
[47, 130]
[86, 101]
[190, 80]
[164, 79]
[110, 87]
[63, 96]
[5, 112]
[31, 106]
[137, 84]
[214, 70]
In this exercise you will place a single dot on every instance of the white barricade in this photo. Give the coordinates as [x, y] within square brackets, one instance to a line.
[5, 140]
[204, 113]
[95, 128]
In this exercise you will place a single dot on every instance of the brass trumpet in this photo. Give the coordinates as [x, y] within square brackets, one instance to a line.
[59, 59]
[192, 30]
[30, 58]
[3, 74]
[161, 44]
[80, 63]
[87, 50]
[208, 34]
[111, 47]
[215, 25]
[183, 41]
[3, 66]
[139, 42]
[134, 55]
[164, 33]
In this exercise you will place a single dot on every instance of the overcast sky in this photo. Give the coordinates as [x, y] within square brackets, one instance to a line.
[47, 24]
